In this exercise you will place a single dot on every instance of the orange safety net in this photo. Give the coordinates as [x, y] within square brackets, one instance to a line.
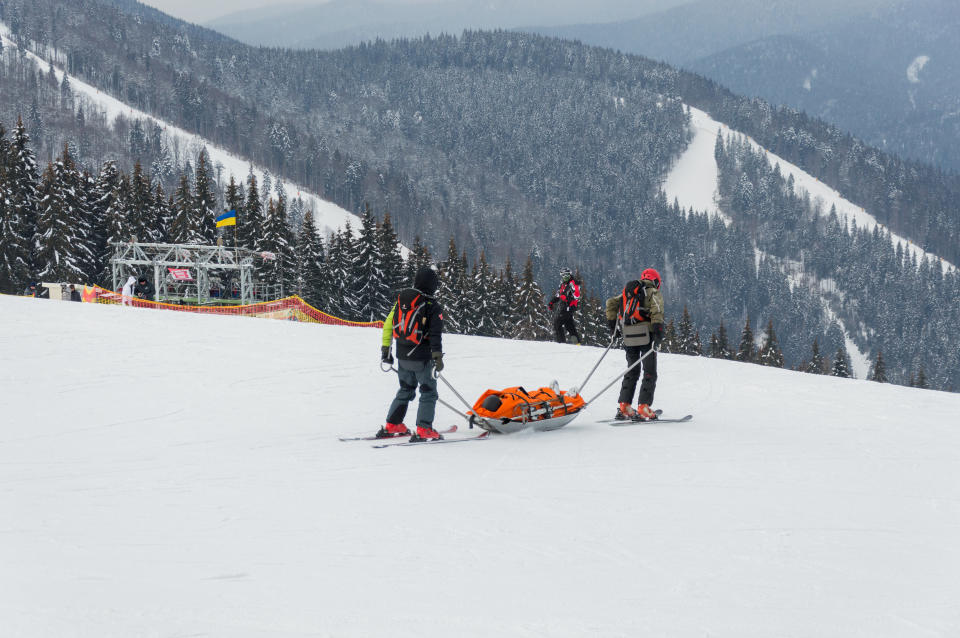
[287, 309]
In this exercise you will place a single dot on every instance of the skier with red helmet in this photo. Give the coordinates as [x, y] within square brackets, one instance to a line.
[564, 303]
[637, 313]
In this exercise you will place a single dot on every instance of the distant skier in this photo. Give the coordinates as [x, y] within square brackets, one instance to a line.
[75, 294]
[638, 314]
[126, 294]
[416, 322]
[564, 304]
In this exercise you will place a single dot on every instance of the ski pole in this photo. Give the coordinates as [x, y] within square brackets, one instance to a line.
[622, 374]
[613, 338]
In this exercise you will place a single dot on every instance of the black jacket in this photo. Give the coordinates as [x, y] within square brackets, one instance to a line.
[426, 284]
[143, 290]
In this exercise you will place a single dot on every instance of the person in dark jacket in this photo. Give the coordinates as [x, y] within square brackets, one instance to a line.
[563, 304]
[144, 289]
[416, 322]
[74, 294]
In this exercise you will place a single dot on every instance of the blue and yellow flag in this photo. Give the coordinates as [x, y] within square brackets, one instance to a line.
[227, 219]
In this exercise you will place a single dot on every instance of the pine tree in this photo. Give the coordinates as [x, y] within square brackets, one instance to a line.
[367, 275]
[878, 372]
[143, 219]
[310, 281]
[922, 379]
[233, 201]
[19, 212]
[817, 365]
[697, 345]
[104, 191]
[419, 257]
[746, 351]
[483, 287]
[685, 334]
[720, 349]
[278, 241]
[340, 259]
[162, 214]
[451, 291]
[60, 243]
[394, 268]
[532, 325]
[670, 340]
[205, 201]
[841, 364]
[770, 354]
[250, 223]
[185, 227]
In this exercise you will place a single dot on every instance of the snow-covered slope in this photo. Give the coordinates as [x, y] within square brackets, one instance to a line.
[693, 181]
[170, 475]
[328, 216]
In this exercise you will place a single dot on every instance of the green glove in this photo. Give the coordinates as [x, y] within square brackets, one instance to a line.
[438, 360]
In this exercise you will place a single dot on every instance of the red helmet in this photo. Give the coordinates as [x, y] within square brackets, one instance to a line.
[651, 275]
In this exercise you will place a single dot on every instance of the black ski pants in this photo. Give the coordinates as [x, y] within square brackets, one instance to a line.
[649, 385]
[563, 324]
[411, 374]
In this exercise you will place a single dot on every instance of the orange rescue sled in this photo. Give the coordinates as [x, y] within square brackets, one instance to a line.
[515, 409]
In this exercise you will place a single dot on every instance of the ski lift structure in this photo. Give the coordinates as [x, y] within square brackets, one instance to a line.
[196, 274]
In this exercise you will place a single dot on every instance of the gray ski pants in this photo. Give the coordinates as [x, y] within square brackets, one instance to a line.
[411, 375]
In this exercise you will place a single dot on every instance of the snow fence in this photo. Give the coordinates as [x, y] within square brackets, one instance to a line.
[291, 308]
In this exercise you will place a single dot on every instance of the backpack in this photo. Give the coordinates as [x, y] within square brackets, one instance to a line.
[410, 322]
[632, 304]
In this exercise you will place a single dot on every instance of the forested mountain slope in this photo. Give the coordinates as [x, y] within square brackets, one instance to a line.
[516, 145]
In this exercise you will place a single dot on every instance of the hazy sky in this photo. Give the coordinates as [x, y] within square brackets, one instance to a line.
[200, 11]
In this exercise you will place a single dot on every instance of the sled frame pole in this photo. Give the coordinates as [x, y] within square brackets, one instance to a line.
[621, 375]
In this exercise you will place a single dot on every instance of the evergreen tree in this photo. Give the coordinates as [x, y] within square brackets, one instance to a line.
[250, 223]
[419, 257]
[719, 344]
[278, 241]
[841, 364]
[483, 296]
[816, 365]
[162, 214]
[18, 211]
[770, 354]
[205, 200]
[368, 274]
[685, 332]
[922, 379]
[670, 340]
[746, 351]
[340, 260]
[878, 371]
[451, 290]
[104, 191]
[143, 217]
[394, 269]
[185, 226]
[532, 325]
[60, 243]
[233, 201]
[697, 345]
[310, 281]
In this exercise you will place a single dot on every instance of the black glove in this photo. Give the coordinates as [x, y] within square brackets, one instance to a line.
[438, 360]
[656, 331]
[385, 355]
[612, 326]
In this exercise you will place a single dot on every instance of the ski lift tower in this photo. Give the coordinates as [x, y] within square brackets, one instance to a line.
[204, 275]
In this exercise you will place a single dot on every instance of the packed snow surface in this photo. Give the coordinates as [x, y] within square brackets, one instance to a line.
[327, 215]
[164, 474]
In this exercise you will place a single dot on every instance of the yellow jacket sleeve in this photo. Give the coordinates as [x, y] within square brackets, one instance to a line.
[387, 339]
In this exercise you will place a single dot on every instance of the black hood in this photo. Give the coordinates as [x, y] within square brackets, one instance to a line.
[426, 280]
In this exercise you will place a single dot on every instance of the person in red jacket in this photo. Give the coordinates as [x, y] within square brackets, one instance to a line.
[563, 305]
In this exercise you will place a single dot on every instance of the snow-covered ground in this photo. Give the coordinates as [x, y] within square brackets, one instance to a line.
[693, 181]
[328, 216]
[174, 475]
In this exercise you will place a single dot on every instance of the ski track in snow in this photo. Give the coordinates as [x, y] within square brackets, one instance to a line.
[693, 182]
[188, 480]
[328, 216]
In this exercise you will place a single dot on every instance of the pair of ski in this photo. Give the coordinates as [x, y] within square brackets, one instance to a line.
[659, 419]
[404, 441]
